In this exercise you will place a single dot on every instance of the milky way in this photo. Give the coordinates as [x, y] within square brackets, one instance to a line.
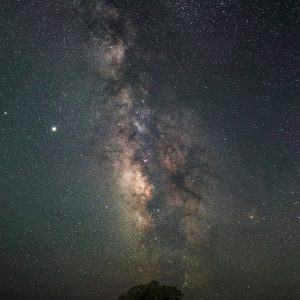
[161, 163]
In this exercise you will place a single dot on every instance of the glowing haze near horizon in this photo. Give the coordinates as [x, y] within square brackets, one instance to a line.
[150, 140]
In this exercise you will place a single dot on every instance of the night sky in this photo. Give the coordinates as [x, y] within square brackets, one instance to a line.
[149, 140]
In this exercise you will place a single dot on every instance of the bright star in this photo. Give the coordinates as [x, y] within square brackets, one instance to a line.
[53, 128]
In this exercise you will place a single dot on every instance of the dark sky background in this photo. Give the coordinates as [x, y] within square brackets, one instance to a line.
[149, 140]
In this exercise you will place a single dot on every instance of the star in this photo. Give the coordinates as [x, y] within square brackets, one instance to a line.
[53, 128]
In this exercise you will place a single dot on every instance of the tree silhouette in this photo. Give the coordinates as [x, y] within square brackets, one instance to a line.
[152, 291]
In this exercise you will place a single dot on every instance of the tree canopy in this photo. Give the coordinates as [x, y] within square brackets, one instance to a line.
[152, 291]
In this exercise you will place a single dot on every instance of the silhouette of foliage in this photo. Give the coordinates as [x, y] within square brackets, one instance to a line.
[152, 291]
